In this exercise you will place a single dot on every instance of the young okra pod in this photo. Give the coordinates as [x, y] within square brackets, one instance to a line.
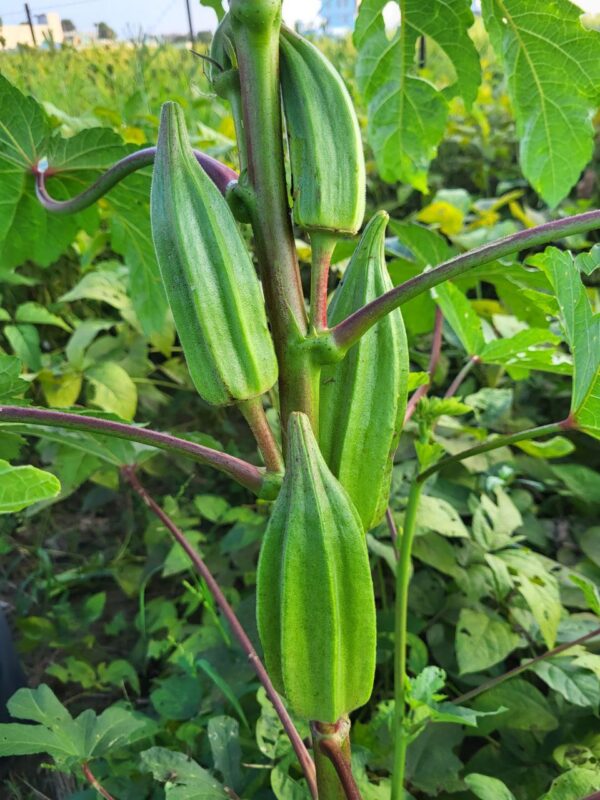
[211, 284]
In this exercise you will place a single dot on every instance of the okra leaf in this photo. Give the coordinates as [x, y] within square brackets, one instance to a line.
[582, 331]
[407, 114]
[535, 42]
[183, 778]
[23, 486]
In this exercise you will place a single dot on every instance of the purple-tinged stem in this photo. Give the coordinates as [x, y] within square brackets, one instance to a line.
[434, 358]
[348, 332]
[220, 175]
[322, 244]
[246, 474]
[461, 375]
[94, 782]
[238, 631]
[483, 687]
[333, 761]
[254, 414]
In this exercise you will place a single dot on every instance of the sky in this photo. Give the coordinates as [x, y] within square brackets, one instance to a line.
[159, 16]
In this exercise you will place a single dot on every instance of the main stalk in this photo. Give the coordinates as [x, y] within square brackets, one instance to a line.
[256, 25]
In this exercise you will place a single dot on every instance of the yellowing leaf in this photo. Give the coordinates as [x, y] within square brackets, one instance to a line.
[448, 217]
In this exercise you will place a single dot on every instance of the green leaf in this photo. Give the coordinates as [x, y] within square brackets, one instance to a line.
[207, 667]
[407, 114]
[482, 640]
[575, 784]
[432, 764]
[486, 788]
[23, 740]
[436, 514]
[539, 588]
[113, 389]
[556, 447]
[533, 348]
[417, 247]
[578, 686]
[211, 506]
[12, 387]
[25, 342]
[460, 315]
[118, 672]
[23, 486]
[182, 777]
[39, 315]
[131, 237]
[590, 592]
[589, 542]
[582, 330]
[115, 727]
[102, 285]
[554, 117]
[526, 707]
[177, 697]
[224, 738]
[588, 262]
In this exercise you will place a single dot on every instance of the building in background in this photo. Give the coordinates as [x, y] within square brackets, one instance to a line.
[339, 15]
[46, 28]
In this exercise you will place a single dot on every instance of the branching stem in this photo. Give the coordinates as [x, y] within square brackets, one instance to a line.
[241, 471]
[494, 443]
[348, 332]
[221, 176]
[238, 631]
[522, 667]
[255, 416]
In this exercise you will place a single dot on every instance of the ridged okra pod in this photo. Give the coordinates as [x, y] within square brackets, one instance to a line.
[316, 608]
[363, 397]
[209, 278]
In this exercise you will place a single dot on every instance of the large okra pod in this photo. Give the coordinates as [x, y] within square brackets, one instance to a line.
[327, 162]
[316, 608]
[363, 397]
[209, 279]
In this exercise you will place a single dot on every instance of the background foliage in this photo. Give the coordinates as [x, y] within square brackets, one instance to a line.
[108, 612]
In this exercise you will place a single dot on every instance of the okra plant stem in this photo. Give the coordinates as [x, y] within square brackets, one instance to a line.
[322, 247]
[220, 175]
[346, 333]
[256, 38]
[254, 413]
[241, 471]
[331, 746]
[403, 575]
[494, 443]
[238, 631]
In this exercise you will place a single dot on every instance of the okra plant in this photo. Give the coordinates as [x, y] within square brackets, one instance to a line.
[336, 368]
